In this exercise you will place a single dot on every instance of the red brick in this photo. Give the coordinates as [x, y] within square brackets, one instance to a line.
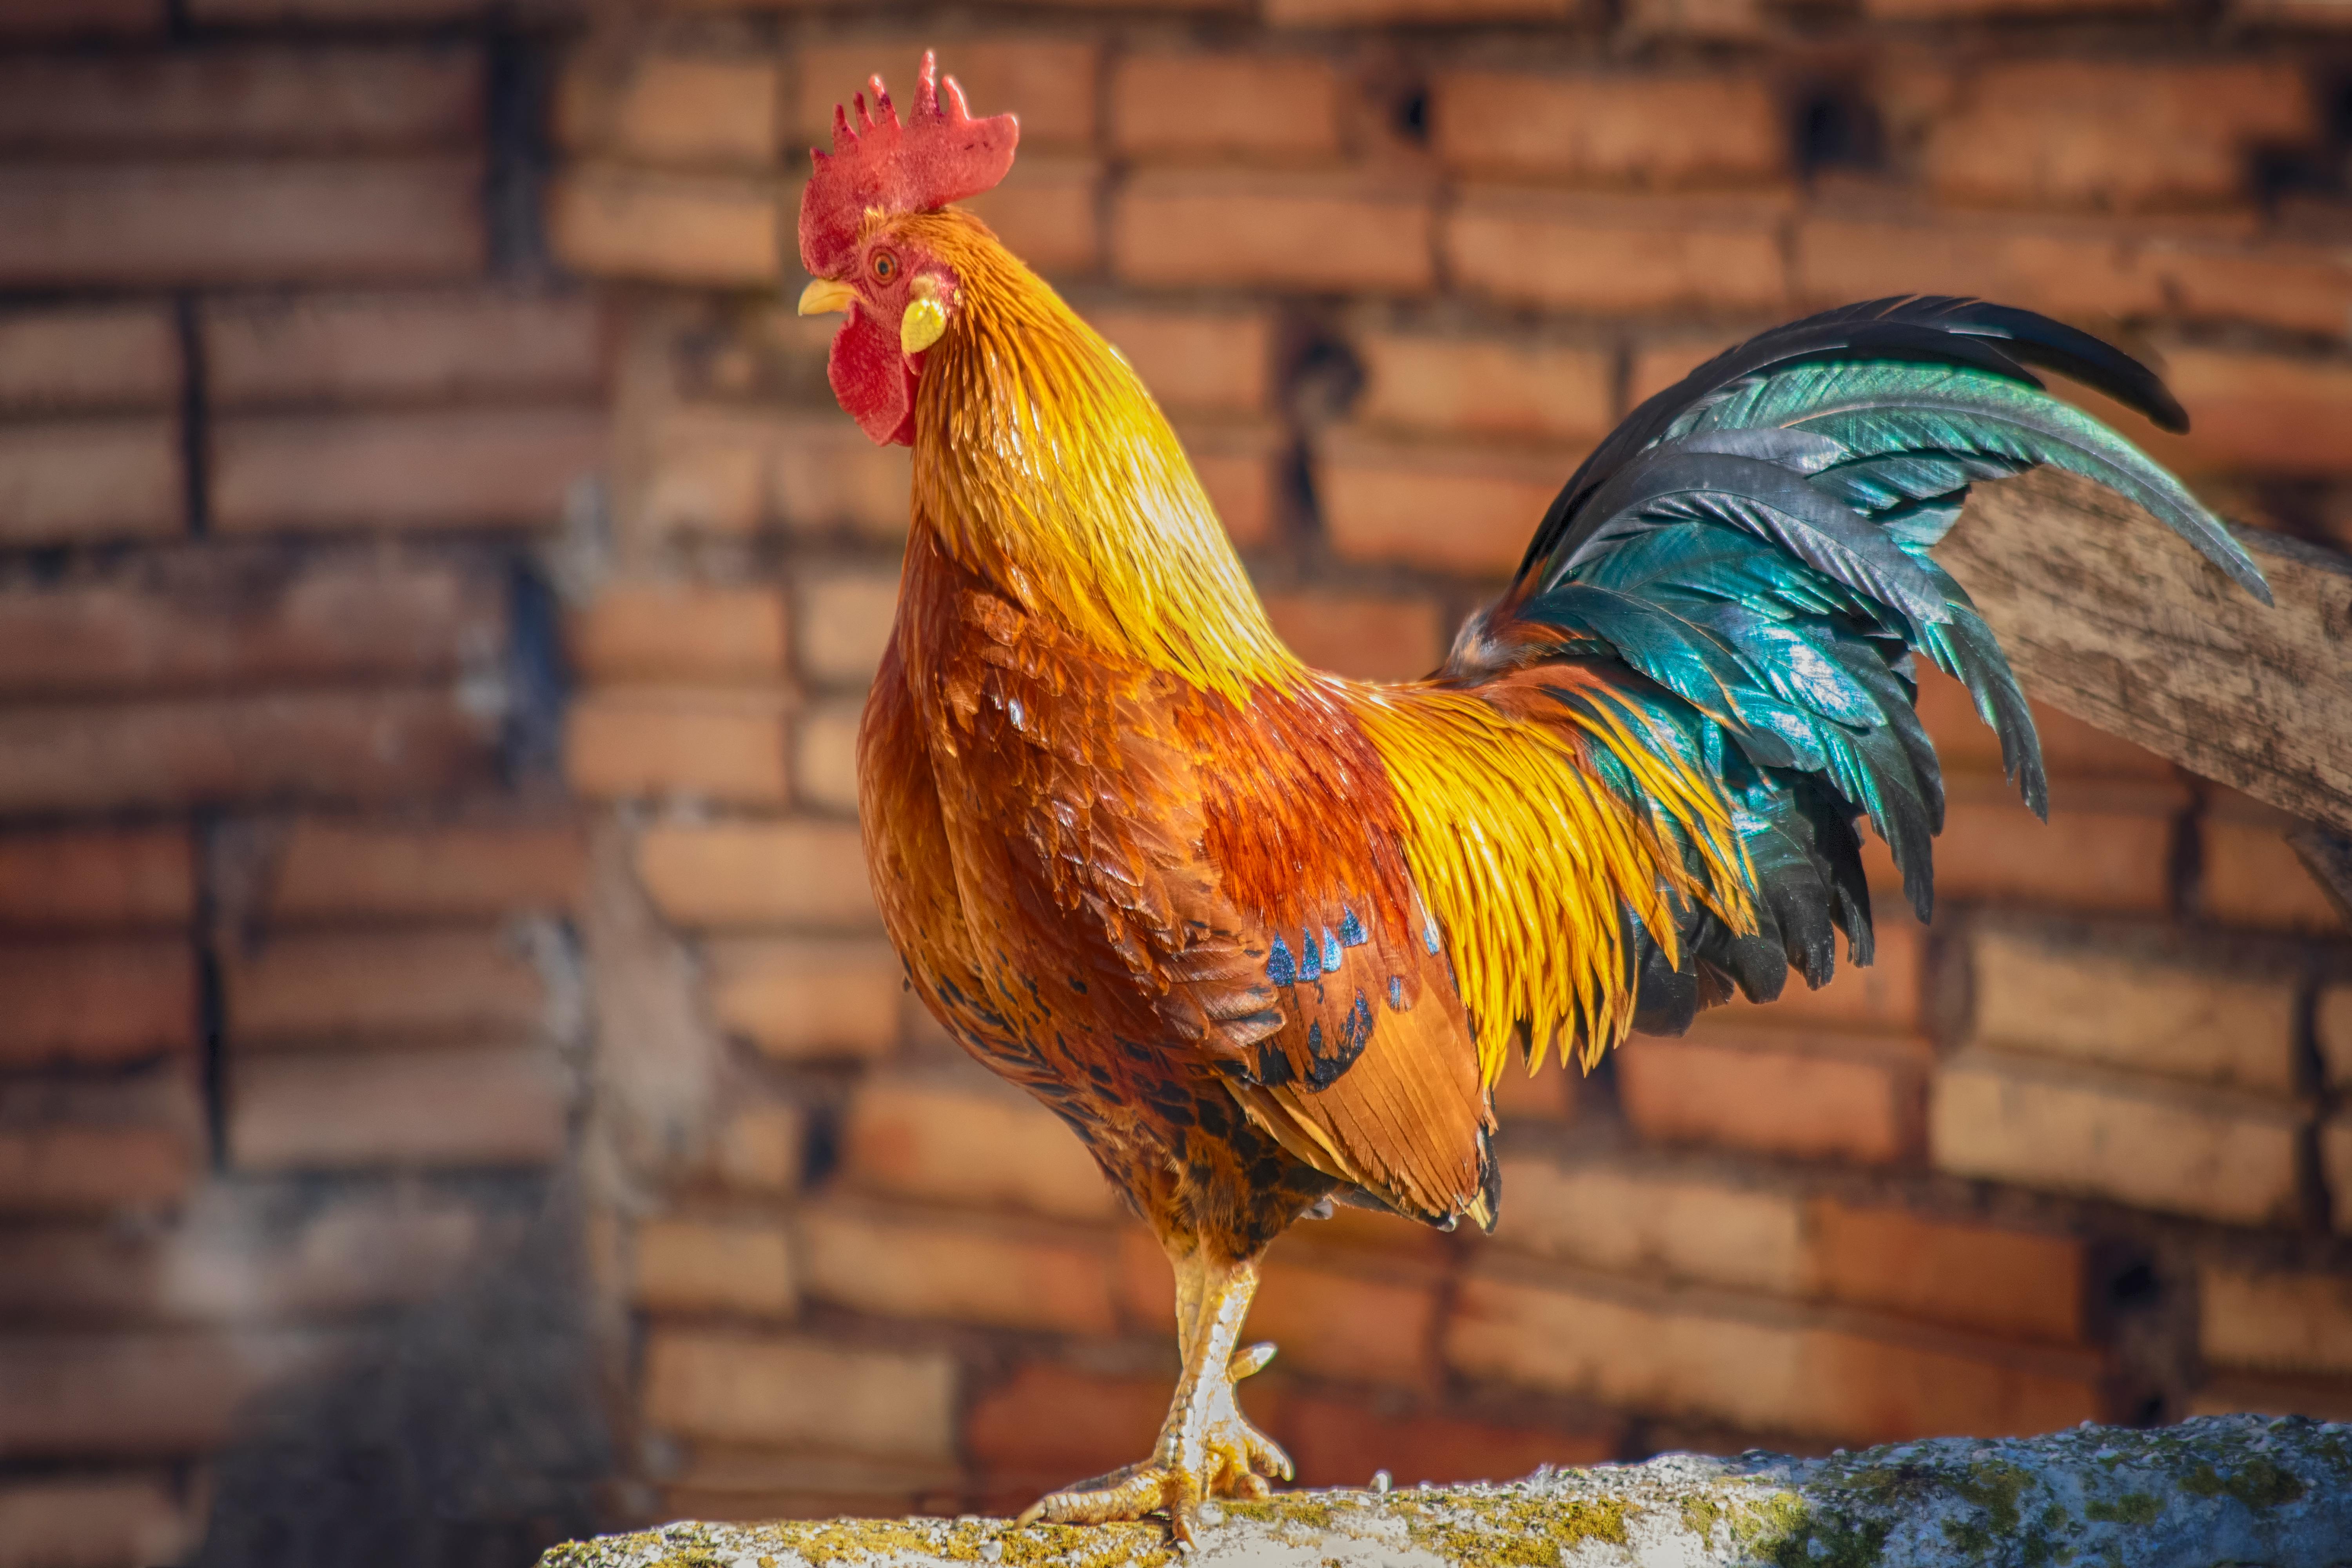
[1484, 386]
[1657, 362]
[810, 1483]
[267, 98]
[1341, 1442]
[478, 469]
[328, 870]
[720, 875]
[727, 747]
[1366, 1324]
[1733, 21]
[2291, 13]
[89, 480]
[164, 1393]
[2321, 1399]
[973, 1142]
[2016, 1284]
[63, 1168]
[110, 1517]
[843, 624]
[1243, 468]
[680, 632]
[1258, 229]
[217, 625]
[1791, 1093]
[83, 19]
[1200, 361]
[1352, 1232]
[801, 1000]
[699, 230]
[2336, 1167]
[2303, 288]
[96, 879]
[2102, 849]
[277, 220]
[907, 1263]
[2280, 1321]
[2332, 1022]
[1551, 1094]
[727, 1386]
[2072, 749]
[441, 1108]
[2229, 1025]
[319, 989]
[1939, 10]
[410, 13]
[729, 471]
[761, 1149]
[2051, 264]
[356, 747]
[97, 1002]
[234, 1258]
[1226, 105]
[1049, 82]
[1765, 1369]
[1147, 1283]
[1609, 128]
[1379, 498]
[89, 357]
[2126, 1137]
[2261, 412]
[824, 755]
[1883, 997]
[1660, 1224]
[424, 346]
[1361, 635]
[734, 1265]
[1047, 213]
[670, 109]
[870, 1493]
[1609, 254]
[1340, 12]
[2119, 135]
[1047, 1424]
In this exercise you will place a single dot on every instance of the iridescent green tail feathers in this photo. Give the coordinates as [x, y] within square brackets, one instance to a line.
[1750, 547]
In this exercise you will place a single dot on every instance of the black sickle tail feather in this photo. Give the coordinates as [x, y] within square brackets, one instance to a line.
[1747, 554]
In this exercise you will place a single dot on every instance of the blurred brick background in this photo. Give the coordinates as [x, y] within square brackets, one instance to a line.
[435, 595]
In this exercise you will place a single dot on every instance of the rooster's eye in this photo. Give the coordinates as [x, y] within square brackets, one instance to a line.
[885, 266]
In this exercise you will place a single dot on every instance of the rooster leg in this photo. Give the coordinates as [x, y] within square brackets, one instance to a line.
[1207, 1449]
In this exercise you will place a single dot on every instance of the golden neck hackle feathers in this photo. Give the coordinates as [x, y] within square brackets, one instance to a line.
[1042, 465]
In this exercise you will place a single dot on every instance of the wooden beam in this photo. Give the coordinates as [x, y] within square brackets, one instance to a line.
[2107, 613]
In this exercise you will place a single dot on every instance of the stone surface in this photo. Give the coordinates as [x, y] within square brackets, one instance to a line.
[2223, 1489]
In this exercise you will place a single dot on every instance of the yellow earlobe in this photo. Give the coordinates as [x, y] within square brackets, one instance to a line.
[923, 325]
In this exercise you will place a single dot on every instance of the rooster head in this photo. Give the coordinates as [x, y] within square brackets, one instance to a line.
[898, 296]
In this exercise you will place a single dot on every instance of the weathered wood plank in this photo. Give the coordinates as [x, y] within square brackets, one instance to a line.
[2109, 616]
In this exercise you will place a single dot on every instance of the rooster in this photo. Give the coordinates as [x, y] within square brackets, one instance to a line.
[1263, 937]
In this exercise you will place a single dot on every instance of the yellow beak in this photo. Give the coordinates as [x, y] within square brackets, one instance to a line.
[824, 295]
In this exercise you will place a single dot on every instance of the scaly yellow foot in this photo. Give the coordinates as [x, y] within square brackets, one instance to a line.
[1207, 1447]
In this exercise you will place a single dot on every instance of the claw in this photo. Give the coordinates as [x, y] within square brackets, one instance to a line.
[1207, 1449]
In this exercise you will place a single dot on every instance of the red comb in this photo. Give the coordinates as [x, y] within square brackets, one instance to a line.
[941, 155]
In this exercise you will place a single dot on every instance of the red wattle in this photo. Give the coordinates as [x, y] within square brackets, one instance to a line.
[873, 379]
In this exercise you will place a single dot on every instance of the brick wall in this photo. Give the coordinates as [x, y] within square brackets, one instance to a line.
[289, 397]
[421, 864]
[1392, 266]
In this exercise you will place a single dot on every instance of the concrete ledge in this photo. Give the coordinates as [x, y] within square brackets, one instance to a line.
[2221, 1490]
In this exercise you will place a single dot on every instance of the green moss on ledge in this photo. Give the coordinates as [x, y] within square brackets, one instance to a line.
[2221, 1490]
